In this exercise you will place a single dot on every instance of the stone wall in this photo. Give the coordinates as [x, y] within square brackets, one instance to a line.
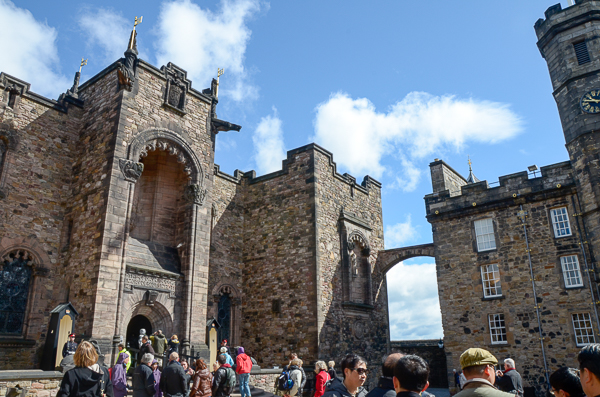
[38, 138]
[443, 177]
[36, 383]
[349, 224]
[279, 312]
[265, 379]
[430, 351]
[464, 308]
[226, 249]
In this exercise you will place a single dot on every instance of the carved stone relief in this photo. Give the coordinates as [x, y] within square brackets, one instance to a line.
[195, 194]
[177, 87]
[131, 170]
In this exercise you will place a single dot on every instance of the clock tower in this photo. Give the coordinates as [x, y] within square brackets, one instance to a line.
[569, 41]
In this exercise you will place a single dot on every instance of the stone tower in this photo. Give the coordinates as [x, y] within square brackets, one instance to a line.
[569, 41]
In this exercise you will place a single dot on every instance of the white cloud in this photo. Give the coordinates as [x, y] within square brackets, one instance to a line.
[200, 41]
[409, 178]
[415, 127]
[29, 51]
[413, 303]
[108, 30]
[399, 234]
[269, 150]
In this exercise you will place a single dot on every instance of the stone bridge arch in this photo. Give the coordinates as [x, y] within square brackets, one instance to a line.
[387, 259]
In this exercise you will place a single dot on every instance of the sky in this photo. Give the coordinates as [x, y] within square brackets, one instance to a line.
[387, 86]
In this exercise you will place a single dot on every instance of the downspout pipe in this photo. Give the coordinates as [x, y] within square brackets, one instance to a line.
[587, 269]
[522, 215]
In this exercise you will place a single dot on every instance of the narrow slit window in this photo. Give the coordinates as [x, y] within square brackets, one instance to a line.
[582, 53]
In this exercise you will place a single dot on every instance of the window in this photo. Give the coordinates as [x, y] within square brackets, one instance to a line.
[490, 277]
[581, 52]
[15, 276]
[582, 325]
[484, 232]
[571, 273]
[497, 329]
[560, 222]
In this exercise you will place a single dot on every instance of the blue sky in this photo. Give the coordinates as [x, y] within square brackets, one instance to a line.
[387, 86]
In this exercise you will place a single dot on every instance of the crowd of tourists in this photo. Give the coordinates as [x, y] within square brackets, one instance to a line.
[402, 376]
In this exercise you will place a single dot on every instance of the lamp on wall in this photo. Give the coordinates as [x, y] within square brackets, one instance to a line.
[441, 343]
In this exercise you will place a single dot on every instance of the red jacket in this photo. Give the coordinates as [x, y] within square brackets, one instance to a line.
[243, 364]
[322, 378]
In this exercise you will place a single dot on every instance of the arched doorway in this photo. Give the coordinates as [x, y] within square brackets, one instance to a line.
[133, 330]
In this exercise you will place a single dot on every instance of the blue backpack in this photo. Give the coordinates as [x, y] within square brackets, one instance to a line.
[285, 381]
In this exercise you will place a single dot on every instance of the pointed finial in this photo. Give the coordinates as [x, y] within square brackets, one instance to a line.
[219, 74]
[469, 157]
[82, 64]
[136, 22]
[132, 44]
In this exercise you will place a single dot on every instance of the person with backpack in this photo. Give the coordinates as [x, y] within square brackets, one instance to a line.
[292, 356]
[290, 380]
[243, 366]
[223, 378]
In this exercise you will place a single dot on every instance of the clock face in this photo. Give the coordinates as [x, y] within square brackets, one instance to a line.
[590, 102]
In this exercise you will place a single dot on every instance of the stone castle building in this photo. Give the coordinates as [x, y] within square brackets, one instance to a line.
[517, 261]
[110, 200]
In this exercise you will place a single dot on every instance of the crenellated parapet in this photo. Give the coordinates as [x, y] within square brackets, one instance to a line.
[514, 189]
[366, 184]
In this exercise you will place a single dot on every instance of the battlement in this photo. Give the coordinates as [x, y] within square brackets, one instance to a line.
[558, 19]
[555, 180]
[366, 184]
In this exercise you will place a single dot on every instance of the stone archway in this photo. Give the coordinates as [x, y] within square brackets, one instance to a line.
[387, 259]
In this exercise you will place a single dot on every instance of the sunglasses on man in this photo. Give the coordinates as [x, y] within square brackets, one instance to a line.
[361, 371]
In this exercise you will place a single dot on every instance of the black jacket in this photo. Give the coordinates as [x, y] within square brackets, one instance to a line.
[220, 387]
[143, 381]
[174, 381]
[85, 382]
[146, 348]
[69, 347]
[332, 373]
[385, 388]
[510, 382]
[337, 389]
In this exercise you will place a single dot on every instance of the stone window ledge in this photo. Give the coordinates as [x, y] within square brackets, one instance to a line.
[493, 298]
[11, 341]
[575, 288]
[358, 306]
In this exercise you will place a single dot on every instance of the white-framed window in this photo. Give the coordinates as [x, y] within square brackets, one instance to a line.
[571, 272]
[497, 329]
[490, 277]
[484, 232]
[560, 222]
[582, 325]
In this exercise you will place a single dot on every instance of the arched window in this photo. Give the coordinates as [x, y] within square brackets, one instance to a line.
[15, 278]
[224, 317]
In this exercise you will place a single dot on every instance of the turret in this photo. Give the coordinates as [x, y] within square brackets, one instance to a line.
[569, 41]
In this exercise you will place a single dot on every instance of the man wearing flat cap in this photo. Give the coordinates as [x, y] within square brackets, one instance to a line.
[478, 368]
[70, 346]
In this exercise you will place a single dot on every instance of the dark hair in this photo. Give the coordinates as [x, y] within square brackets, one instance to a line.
[351, 361]
[412, 373]
[566, 379]
[222, 359]
[589, 357]
[387, 368]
